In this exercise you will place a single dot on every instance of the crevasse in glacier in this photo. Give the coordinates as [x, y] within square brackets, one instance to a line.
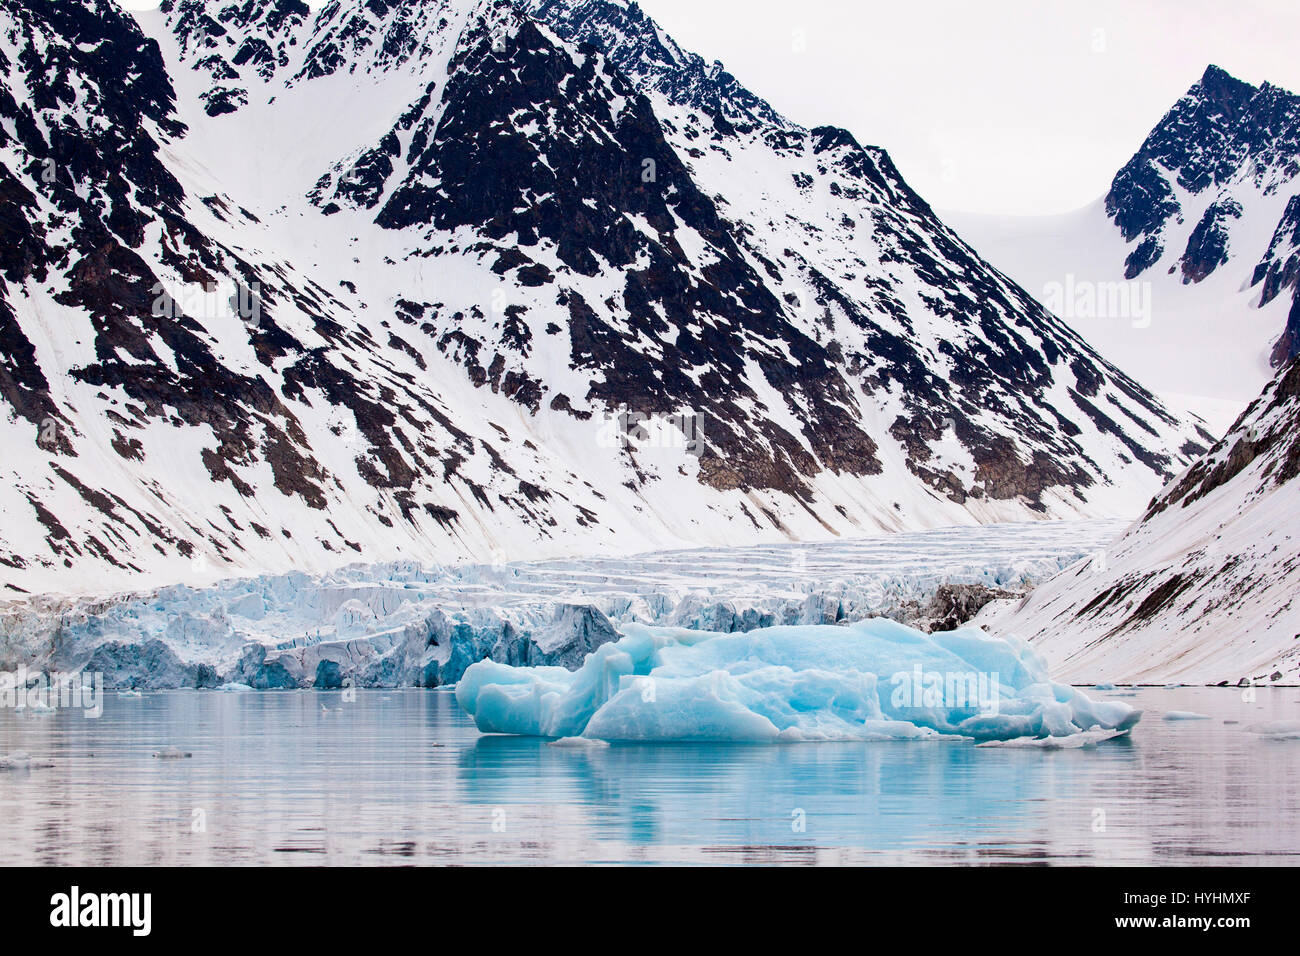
[402, 624]
[873, 680]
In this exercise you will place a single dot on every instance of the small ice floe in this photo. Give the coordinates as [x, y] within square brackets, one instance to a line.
[579, 743]
[1104, 685]
[1174, 686]
[129, 694]
[1185, 715]
[1086, 738]
[1277, 729]
[173, 753]
[36, 707]
[234, 687]
[22, 760]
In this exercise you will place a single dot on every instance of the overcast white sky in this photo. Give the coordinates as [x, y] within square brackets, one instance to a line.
[1013, 106]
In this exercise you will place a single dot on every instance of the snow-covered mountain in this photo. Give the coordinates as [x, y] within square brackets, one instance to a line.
[1184, 274]
[286, 289]
[1205, 587]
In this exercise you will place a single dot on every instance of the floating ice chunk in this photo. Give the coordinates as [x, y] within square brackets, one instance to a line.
[1104, 685]
[1085, 738]
[18, 760]
[22, 760]
[130, 695]
[173, 753]
[234, 687]
[875, 679]
[1185, 715]
[579, 743]
[1277, 729]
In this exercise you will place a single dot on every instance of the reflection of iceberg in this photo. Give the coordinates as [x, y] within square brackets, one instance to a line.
[888, 802]
[875, 679]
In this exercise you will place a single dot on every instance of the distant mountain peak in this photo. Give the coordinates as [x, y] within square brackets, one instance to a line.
[1218, 84]
[1226, 156]
[653, 60]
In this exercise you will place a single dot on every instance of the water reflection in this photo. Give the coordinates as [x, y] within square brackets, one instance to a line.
[398, 777]
[886, 797]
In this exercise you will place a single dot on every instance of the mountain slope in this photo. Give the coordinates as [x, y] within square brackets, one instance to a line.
[441, 280]
[1203, 589]
[1185, 273]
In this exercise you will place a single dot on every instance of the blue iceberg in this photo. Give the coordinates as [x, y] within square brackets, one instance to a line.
[876, 679]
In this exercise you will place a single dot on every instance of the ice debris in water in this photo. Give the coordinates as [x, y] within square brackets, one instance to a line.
[22, 760]
[872, 680]
[1277, 729]
[1085, 738]
[1185, 715]
[173, 753]
[579, 743]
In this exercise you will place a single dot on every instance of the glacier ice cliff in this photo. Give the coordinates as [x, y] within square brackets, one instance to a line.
[408, 624]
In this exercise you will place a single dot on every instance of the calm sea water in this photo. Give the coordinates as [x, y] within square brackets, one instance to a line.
[404, 777]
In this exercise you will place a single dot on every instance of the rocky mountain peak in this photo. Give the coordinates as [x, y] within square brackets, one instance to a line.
[1219, 169]
[495, 279]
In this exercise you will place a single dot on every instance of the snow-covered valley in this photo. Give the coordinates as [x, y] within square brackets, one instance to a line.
[1202, 347]
[1184, 274]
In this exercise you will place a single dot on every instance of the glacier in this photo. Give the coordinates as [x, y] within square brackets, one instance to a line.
[405, 624]
[876, 679]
